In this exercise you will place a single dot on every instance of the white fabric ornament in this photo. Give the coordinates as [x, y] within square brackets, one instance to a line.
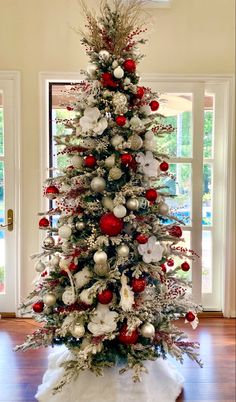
[136, 123]
[115, 64]
[148, 164]
[64, 232]
[151, 251]
[82, 278]
[126, 295]
[86, 297]
[120, 211]
[103, 321]
[146, 110]
[69, 297]
[91, 121]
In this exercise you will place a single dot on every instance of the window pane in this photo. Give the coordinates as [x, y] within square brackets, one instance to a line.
[2, 262]
[207, 261]
[208, 126]
[2, 206]
[1, 126]
[177, 108]
[207, 194]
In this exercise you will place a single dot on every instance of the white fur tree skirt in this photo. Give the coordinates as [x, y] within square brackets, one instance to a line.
[162, 384]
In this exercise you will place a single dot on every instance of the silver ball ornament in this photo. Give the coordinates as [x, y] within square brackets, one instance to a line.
[120, 211]
[132, 204]
[147, 330]
[49, 299]
[78, 330]
[49, 242]
[40, 266]
[123, 250]
[65, 232]
[80, 225]
[100, 257]
[98, 184]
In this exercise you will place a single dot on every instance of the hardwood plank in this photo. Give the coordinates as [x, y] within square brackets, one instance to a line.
[21, 372]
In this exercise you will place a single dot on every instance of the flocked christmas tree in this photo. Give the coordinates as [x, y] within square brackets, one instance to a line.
[108, 286]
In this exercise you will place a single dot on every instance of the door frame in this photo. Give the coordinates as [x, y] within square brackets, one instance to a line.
[14, 77]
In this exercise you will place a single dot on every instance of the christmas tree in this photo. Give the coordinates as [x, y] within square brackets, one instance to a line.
[108, 285]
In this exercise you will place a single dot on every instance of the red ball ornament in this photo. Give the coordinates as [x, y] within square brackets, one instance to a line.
[175, 231]
[128, 338]
[129, 65]
[51, 192]
[151, 194]
[44, 223]
[126, 159]
[69, 108]
[140, 92]
[120, 121]
[138, 284]
[142, 238]
[154, 105]
[164, 166]
[105, 297]
[163, 268]
[72, 266]
[90, 161]
[170, 263]
[110, 224]
[185, 266]
[190, 316]
[38, 307]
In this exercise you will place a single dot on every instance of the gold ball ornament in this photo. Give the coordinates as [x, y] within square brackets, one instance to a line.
[80, 225]
[110, 161]
[147, 330]
[100, 257]
[108, 203]
[119, 102]
[78, 330]
[132, 204]
[49, 299]
[115, 173]
[123, 250]
[98, 184]
[104, 55]
[49, 242]
[77, 161]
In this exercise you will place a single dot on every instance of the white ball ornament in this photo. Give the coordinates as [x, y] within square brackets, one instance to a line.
[49, 299]
[40, 266]
[110, 161]
[68, 297]
[104, 55]
[77, 161]
[91, 69]
[98, 184]
[65, 232]
[118, 72]
[78, 330]
[82, 278]
[108, 203]
[100, 257]
[115, 173]
[120, 211]
[117, 140]
[147, 330]
[123, 250]
[132, 204]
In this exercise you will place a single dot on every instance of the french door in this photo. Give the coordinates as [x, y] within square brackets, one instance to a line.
[8, 197]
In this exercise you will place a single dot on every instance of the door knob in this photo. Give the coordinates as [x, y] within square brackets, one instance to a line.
[9, 224]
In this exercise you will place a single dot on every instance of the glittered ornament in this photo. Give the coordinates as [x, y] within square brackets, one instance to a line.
[163, 208]
[100, 257]
[40, 266]
[147, 330]
[38, 307]
[140, 92]
[110, 224]
[105, 297]
[126, 159]
[111, 160]
[118, 72]
[120, 211]
[151, 194]
[51, 192]
[119, 102]
[185, 266]
[120, 121]
[129, 65]
[90, 161]
[115, 173]
[164, 166]
[78, 330]
[65, 232]
[141, 238]
[108, 203]
[101, 269]
[128, 337]
[104, 55]
[190, 316]
[154, 105]
[123, 250]
[44, 223]
[117, 140]
[98, 184]
[175, 231]
[132, 204]
[77, 161]
[49, 299]
[135, 142]
[49, 242]
[138, 284]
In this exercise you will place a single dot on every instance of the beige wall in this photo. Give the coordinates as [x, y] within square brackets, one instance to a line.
[192, 37]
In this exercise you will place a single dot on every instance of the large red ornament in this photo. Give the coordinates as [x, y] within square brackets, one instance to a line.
[128, 338]
[90, 161]
[154, 105]
[190, 316]
[51, 192]
[151, 194]
[164, 166]
[185, 266]
[44, 223]
[38, 306]
[110, 224]
[175, 231]
[105, 297]
[129, 65]
[142, 238]
[120, 121]
[140, 92]
[107, 80]
[126, 159]
[138, 284]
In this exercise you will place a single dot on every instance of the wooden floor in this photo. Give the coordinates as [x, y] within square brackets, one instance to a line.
[20, 373]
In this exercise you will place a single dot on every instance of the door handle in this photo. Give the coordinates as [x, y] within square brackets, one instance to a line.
[9, 224]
